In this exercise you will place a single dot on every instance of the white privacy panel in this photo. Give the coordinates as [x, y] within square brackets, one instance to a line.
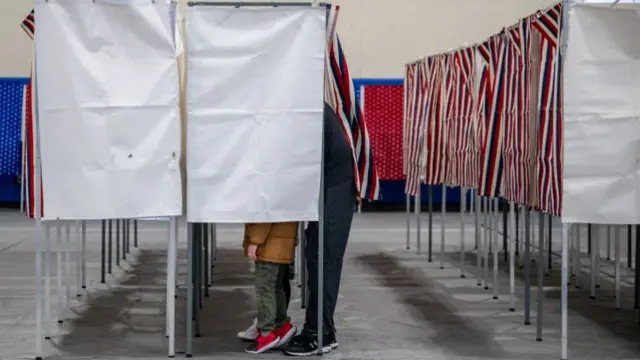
[602, 117]
[255, 105]
[108, 90]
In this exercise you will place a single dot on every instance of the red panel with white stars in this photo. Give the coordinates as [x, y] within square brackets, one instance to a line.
[383, 112]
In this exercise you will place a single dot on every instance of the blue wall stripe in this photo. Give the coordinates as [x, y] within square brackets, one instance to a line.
[15, 80]
[356, 81]
[371, 81]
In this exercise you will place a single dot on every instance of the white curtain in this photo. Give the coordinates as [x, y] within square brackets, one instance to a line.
[108, 106]
[602, 117]
[255, 104]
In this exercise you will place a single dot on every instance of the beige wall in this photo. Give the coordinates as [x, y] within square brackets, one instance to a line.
[15, 46]
[379, 36]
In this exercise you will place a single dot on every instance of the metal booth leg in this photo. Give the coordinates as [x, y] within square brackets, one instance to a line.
[205, 258]
[84, 253]
[102, 255]
[118, 242]
[109, 262]
[189, 320]
[135, 233]
[430, 208]
[408, 212]
[197, 276]
[540, 268]
[303, 269]
[527, 266]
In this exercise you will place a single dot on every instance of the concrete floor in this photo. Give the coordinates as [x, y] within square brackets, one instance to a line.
[394, 304]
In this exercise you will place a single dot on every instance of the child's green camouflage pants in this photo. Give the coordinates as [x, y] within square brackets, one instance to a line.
[271, 298]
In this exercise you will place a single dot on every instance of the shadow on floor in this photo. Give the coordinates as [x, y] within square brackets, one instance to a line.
[128, 318]
[124, 319]
[229, 308]
[622, 323]
[452, 332]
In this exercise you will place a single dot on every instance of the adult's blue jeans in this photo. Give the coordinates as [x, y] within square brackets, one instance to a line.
[340, 202]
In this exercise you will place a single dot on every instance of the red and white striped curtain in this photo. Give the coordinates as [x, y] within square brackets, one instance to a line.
[517, 155]
[487, 117]
[434, 146]
[493, 53]
[415, 126]
[449, 123]
[29, 150]
[409, 77]
[549, 135]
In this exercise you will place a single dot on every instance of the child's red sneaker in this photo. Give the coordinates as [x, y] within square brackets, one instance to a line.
[285, 333]
[264, 343]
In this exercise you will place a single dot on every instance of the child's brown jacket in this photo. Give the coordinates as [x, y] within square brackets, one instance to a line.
[276, 241]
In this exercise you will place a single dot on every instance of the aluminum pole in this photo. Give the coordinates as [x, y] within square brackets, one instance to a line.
[118, 242]
[443, 205]
[594, 251]
[463, 209]
[629, 246]
[478, 240]
[84, 253]
[540, 269]
[408, 211]
[565, 292]
[110, 247]
[103, 253]
[616, 254]
[59, 246]
[512, 258]
[486, 240]
[496, 241]
[417, 209]
[430, 205]
[135, 233]
[527, 266]
[78, 257]
[577, 256]
[38, 228]
[171, 285]
[189, 320]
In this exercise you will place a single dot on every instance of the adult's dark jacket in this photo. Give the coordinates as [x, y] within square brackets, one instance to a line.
[338, 161]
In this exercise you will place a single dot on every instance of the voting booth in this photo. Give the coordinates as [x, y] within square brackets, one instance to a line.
[127, 122]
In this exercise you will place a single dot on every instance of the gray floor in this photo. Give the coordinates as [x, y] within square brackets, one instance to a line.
[394, 304]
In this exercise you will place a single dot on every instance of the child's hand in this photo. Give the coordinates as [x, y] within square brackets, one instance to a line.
[252, 251]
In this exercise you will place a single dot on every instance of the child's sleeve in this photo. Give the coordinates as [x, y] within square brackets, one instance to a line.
[256, 234]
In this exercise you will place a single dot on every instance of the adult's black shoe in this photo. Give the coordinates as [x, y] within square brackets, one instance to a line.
[332, 341]
[306, 344]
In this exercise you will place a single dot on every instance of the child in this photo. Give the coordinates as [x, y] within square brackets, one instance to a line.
[251, 334]
[271, 246]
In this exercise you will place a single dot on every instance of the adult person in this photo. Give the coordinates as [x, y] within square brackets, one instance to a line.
[340, 198]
